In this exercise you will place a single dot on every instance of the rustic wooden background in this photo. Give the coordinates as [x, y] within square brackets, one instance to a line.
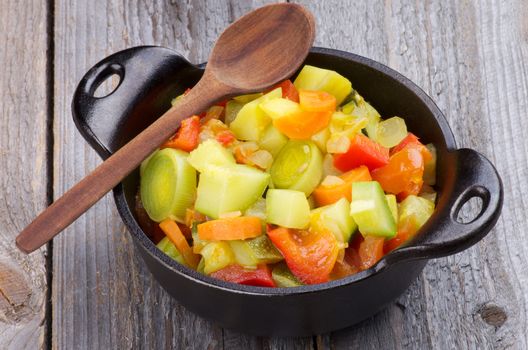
[88, 289]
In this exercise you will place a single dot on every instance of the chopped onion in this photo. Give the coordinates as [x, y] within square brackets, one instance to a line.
[339, 144]
[262, 158]
[391, 132]
[328, 166]
[332, 180]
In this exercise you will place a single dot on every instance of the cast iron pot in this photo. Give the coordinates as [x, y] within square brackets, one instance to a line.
[151, 76]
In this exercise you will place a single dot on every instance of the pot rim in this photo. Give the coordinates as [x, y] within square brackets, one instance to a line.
[193, 275]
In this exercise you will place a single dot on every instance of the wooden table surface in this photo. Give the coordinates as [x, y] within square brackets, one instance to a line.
[89, 289]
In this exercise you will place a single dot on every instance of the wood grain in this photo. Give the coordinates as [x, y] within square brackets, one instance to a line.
[103, 296]
[471, 58]
[23, 174]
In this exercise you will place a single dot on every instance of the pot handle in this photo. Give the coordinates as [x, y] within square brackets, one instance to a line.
[475, 177]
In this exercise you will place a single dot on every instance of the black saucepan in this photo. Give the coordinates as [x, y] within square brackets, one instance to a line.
[151, 76]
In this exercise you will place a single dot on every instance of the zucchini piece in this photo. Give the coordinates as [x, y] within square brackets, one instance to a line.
[393, 205]
[272, 140]
[370, 210]
[168, 185]
[217, 255]
[228, 189]
[280, 107]
[287, 208]
[314, 78]
[166, 246]
[251, 120]
[264, 250]
[298, 166]
[390, 132]
[283, 277]
[210, 152]
[334, 218]
[429, 175]
[231, 110]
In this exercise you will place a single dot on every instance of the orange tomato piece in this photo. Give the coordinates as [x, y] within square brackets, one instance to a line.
[172, 230]
[404, 172]
[317, 101]
[370, 251]
[325, 195]
[187, 136]
[241, 227]
[302, 125]
[311, 256]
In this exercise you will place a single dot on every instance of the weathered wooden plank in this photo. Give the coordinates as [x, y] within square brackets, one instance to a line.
[23, 178]
[102, 294]
[471, 58]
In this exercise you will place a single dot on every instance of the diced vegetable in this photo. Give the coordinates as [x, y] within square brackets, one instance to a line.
[247, 98]
[313, 78]
[231, 110]
[429, 175]
[283, 277]
[198, 244]
[316, 101]
[263, 250]
[227, 189]
[370, 210]
[257, 209]
[325, 195]
[243, 254]
[298, 166]
[391, 132]
[288, 90]
[210, 152]
[403, 173]
[334, 218]
[393, 205]
[370, 251]
[186, 138]
[214, 112]
[373, 119]
[216, 256]
[168, 185]
[272, 140]
[166, 246]
[251, 120]
[287, 208]
[321, 138]
[362, 151]
[261, 276]
[309, 255]
[173, 232]
[241, 227]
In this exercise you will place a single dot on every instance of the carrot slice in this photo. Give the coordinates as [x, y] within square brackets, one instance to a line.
[241, 227]
[172, 230]
[325, 195]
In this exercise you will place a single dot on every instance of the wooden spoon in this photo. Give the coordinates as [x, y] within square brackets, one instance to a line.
[260, 49]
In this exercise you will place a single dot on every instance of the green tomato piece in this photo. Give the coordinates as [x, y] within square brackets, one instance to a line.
[370, 210]
[251, 120]
[335, 218]
[283, 277]
[168, 185]
[166, 246]
[210, 152]
[230, 188]
[231, 110]
[298, 166]
[264, 250]
[429, 175]
[287, 208]
[272, 140]
[393, 205]
[217, 255]
[313, 78]
[416, 209]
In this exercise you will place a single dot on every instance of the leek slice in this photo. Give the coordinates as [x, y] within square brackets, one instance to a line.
[314, 78]
[298, 166]
[251, 120]
[166, 246]
[272, 140]
[287, 208]
[210, 152]
[168, 185]
[225, 189]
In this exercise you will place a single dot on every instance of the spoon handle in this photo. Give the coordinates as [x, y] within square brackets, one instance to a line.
[65, 210]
